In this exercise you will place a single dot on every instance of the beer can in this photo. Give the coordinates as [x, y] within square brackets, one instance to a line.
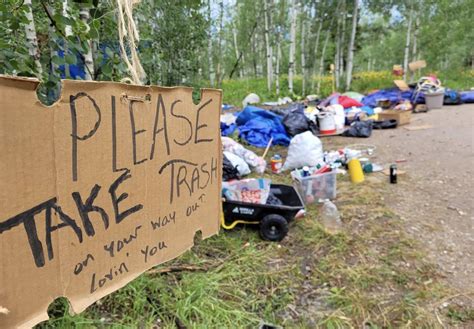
[393, 174]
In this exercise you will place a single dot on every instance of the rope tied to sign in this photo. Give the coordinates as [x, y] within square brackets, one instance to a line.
[128, 34]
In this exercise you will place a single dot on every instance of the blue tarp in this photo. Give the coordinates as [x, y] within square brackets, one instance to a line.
[467, 96]
[393, 95]
[257, 126]
[227, 130]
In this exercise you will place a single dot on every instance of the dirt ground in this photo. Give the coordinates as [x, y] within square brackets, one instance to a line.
[435, 198]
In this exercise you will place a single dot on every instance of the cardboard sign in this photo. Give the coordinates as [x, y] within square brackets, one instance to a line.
[108, 182]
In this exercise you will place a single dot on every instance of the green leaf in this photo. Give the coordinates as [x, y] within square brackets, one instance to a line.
[107, 70]
[57, 60]
[71, 59]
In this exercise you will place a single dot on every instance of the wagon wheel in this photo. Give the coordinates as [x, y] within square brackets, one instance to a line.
[273, 227]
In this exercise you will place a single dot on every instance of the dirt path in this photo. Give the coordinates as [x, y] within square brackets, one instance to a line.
[435, 198]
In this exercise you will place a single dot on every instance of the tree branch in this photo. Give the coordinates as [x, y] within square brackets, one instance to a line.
[55, 24]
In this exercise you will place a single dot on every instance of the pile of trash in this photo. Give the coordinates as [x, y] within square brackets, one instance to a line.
[313, 171]
[349, 114]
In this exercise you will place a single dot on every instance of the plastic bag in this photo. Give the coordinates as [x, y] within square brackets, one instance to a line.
[229, 172]
[255, 162]
[296, 122]
[238, 163]
[247, 190]
[305, 150]
[359, 129]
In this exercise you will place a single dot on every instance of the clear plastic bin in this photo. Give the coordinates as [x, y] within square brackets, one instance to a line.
[315, 188]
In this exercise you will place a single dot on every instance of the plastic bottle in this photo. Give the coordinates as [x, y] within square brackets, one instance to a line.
[330, 218]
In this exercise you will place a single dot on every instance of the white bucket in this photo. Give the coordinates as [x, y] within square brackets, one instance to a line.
[434, 100]
[339, 115]
[327, 125]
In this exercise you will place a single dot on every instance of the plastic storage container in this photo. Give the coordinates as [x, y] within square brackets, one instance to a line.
[314, 188]
[434, 100]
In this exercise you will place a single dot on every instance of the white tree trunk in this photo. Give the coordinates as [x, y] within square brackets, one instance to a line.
[291, 63]
[67, 32]
[236, 48]
[350, 52]
[84, 15]
[277, 71]
[303, 57]
[338, 53]
[52, 42]
[31, 39]
[321, 62]
[269, 52]
[212, 75]
[407, 45]
[220, 73]
[316, 48]
[343, 40]
[414, 52]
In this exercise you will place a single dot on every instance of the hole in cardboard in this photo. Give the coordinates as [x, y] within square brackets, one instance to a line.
[59, 308]
[146, 98]
[197, 95]
[49, 92]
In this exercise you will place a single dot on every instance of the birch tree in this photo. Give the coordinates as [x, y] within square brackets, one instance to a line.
[52, 41]
[277, 70]
[407, 44]
[343, 39]
[323, 54]
[291, 63]
[338, 52]
[84, 15]
[67, 34]
[212, 74]
[350, 52]
[303, 57]
[220, 73]
[414, 51]
[31, 39]
[316, 49]
[236, 47]
[268, 46]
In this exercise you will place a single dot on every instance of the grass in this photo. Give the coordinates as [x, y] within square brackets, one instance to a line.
[363, 82]
[368, 275]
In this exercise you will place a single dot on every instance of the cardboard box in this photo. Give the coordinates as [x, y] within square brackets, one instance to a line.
[402, 117]
[108, 182]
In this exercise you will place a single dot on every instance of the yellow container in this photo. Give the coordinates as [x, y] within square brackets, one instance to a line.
[355, 171]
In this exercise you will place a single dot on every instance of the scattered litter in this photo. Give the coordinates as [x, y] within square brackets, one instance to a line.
[254, 190]
[317, 185]
[459, 211]
[359, 129]
[305, 150]
[330, 218]
[399, 172]
[257, 126]
[251, 99]
[421, 127]
[355, 171]
[296, 122]
[238, 163]
[3, 310]
[229, 171]
[255, 162]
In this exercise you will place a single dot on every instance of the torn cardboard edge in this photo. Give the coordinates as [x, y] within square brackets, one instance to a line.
[54, 128]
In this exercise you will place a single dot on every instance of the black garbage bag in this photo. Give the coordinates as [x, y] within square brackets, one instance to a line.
[385, 124]
[359, 129]
[296, 122]
[229, 172]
